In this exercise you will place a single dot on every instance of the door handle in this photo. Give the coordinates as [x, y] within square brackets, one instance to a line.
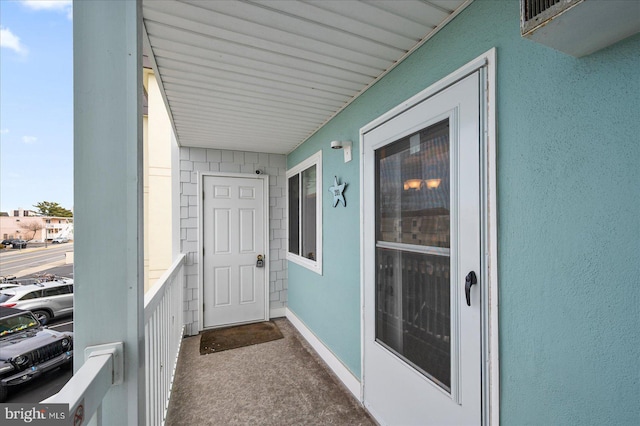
[470, 280]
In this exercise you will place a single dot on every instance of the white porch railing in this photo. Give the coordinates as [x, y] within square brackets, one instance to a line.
[163, 331]
[163, 325]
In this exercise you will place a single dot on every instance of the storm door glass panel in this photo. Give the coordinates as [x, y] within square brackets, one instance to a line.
[412, 251]
[294, 214]
[308, 223]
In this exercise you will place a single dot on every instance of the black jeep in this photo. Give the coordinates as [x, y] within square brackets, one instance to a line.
[27, 349]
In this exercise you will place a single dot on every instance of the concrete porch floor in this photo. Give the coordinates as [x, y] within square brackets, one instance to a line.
[282, 382]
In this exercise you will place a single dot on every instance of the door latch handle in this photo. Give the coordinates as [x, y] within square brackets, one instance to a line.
[470, 280]
[260, 261]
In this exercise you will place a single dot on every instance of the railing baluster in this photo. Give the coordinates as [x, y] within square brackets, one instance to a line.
[163, 336]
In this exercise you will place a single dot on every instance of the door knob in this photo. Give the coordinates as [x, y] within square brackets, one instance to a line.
[470, 280]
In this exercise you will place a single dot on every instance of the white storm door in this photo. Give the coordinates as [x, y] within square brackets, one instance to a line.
[422, 342]
[235, 289]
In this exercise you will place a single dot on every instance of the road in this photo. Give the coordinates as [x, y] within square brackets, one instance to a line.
[27, 261]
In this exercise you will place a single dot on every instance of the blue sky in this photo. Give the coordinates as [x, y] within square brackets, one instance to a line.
[36, 103]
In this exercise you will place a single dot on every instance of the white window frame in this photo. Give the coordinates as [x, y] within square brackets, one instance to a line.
[314, 160]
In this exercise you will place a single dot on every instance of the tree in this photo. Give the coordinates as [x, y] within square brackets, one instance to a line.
[31, 226]
[47, 208]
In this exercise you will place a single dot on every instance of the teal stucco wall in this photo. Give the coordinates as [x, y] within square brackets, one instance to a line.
[568, 219]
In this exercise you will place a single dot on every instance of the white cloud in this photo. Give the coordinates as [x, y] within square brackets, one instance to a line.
[11, 41]
[4, 131]
[47, 4]
[56, 5]
[29, 139]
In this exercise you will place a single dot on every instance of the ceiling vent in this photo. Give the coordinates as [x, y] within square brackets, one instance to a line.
[579, 27]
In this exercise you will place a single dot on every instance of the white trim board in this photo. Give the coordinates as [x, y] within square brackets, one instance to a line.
[332, 361]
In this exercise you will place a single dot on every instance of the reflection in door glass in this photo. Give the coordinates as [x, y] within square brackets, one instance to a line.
[412, 310]
[413, 237]
[413, 189]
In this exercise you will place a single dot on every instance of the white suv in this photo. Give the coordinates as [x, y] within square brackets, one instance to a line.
[46, 300]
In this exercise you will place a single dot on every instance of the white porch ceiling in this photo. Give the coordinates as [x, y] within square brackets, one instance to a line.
[263, 76]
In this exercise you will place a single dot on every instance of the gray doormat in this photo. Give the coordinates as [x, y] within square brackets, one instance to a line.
[222, 339]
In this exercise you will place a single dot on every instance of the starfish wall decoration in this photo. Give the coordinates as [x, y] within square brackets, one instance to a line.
[337, 191]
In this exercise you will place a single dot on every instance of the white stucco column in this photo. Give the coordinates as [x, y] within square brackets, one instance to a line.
[108, 182]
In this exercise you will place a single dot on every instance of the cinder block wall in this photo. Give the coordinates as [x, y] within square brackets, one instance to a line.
[195, 161]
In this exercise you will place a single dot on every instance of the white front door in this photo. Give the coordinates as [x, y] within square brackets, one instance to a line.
[235, 233]
[422, 344]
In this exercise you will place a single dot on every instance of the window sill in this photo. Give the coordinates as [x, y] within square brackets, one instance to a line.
[312, 265]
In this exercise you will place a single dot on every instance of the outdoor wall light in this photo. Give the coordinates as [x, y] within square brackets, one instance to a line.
[346, 145]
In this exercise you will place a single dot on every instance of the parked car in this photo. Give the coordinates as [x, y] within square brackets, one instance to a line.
[4, 286]
[18, 244]
[6, 242]
[59, 240]
[46, 300]
[27, 349]
[8, 279]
